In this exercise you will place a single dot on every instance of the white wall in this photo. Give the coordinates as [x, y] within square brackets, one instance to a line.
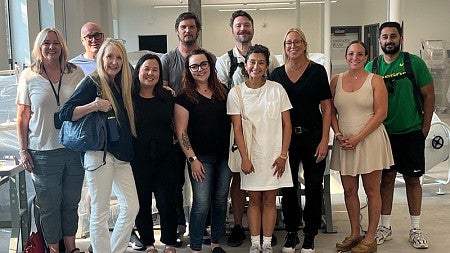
[78, 13]
[139, 18]
[426, 20]
[422, 21]
[136, 17]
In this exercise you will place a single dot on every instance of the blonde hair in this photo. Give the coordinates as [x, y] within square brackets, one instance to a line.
[125, 80]
[37, 65]
[303, 37]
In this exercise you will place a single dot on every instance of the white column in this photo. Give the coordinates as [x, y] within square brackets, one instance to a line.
[297, 14]
[394, 11]
[24, 28]
[3, 46]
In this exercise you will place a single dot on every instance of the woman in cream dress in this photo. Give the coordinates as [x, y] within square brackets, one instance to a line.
[362, 146]
[266, 169]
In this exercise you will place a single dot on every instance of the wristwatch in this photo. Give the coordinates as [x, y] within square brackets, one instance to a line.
[192, 158]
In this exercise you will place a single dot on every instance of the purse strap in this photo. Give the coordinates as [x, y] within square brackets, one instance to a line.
[241, 102]
[99, 94]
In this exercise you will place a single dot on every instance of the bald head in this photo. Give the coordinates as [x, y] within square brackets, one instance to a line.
[92, 38]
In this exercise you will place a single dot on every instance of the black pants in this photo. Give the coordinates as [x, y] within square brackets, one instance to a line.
[156, 174]
[302, 149]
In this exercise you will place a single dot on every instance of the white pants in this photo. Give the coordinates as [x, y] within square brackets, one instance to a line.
[118, 176]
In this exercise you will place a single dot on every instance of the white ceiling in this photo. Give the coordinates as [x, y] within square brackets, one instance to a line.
[170, 2]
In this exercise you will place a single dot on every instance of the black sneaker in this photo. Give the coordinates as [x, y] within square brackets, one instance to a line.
[292, 243]
[308, 244]
[135, 242]
[236, 237]
[178, 243]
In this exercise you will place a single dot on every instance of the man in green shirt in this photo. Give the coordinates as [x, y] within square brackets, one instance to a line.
[407, 126]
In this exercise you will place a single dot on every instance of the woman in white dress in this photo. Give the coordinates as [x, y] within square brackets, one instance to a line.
[265, 168]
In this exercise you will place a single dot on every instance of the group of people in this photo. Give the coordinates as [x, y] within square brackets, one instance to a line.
[179, 110]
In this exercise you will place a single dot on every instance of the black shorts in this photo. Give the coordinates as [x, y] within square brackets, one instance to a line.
[409, 153]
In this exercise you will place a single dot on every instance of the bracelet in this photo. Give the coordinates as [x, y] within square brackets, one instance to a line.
[23, 150]
[283, 157]
[337, 134]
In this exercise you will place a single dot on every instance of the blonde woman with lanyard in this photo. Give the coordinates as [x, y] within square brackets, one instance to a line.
[56, 171]
[266, 168]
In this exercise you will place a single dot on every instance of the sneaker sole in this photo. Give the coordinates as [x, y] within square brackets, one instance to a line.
[422, 246]
[235, 244]
[388, 238]
[290, 250]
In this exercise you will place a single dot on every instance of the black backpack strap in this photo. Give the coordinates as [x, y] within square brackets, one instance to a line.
[233, 67]
[410, 74]
[375, 65]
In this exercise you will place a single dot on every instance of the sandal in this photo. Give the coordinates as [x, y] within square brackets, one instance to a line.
[169, 249]
[151, 249]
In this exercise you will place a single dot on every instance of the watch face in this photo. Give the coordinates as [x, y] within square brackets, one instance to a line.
[191, 159]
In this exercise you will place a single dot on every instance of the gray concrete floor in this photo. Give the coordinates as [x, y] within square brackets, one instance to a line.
[435, 219]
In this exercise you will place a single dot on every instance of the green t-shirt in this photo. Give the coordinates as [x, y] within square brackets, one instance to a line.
[403, 116]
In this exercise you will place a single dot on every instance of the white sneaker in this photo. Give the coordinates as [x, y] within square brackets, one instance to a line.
[383, 234]
[255, 248]
[417, 240]
[267, 248]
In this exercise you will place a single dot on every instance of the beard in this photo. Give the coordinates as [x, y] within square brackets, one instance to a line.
[189, 42]
[392, 50]
[247, 38]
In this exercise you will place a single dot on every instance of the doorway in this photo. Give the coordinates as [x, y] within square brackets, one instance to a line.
[371, 39]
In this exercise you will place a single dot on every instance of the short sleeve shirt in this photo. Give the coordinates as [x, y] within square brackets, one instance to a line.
[35, 91]
[403, 116]
[209, 125]
[305, 95]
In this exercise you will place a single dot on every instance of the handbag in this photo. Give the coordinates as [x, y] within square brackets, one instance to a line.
[35, 243]
[88, 133]
[234, 157]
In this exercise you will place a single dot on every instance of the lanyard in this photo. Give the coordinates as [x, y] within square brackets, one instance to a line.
[53, 88]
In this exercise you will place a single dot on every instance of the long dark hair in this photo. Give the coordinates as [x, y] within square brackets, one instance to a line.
[190, 86]
[158, 91]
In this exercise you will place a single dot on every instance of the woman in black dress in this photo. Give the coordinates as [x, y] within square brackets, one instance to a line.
[153, 165]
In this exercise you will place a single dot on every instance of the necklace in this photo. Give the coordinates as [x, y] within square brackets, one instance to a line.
[295, 68]
[355, 77]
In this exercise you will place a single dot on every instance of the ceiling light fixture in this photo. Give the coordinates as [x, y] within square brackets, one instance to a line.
[243, 5]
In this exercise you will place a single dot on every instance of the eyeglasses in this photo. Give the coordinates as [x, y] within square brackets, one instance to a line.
[295, 43]
[95, 36]
[197, 67]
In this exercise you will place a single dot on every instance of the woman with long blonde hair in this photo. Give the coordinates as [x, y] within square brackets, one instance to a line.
[113, 76]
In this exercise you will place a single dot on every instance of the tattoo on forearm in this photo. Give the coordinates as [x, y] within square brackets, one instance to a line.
[185, 141]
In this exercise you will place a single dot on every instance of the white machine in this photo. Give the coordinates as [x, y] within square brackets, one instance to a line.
[436, 151]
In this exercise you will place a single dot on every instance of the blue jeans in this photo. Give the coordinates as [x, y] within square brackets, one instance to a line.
[212, 191]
